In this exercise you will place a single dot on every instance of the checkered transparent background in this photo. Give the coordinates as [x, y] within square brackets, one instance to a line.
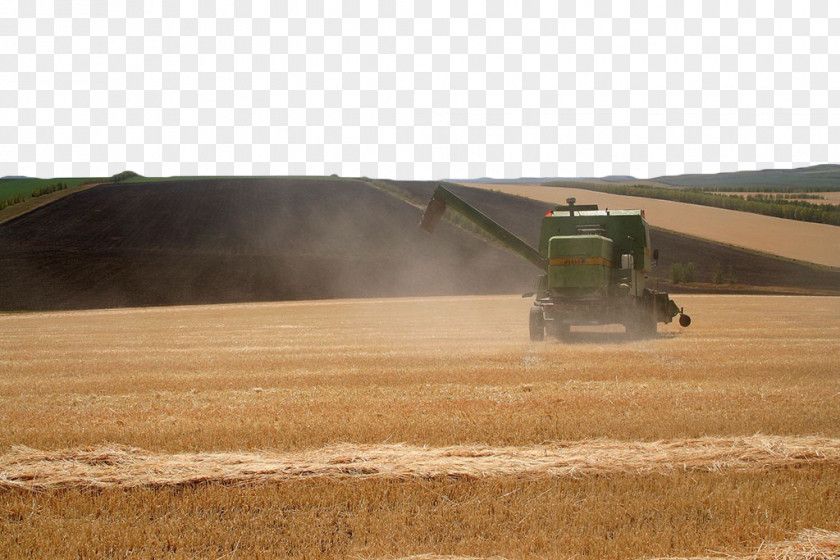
[426, 89]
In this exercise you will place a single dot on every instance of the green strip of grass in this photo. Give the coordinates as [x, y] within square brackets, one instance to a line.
[25, 187]
[19, 196]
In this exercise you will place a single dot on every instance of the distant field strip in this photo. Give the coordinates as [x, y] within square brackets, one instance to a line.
[125, 467]
[816, 243]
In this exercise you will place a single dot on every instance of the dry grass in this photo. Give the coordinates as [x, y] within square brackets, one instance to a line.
[107, 466]
[605, 517]
[807, 545]
[802, 241]
[448, 557]
[433, 372]
[298, 381]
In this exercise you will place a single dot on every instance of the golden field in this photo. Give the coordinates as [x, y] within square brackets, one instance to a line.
[390, 428]
[802, 241]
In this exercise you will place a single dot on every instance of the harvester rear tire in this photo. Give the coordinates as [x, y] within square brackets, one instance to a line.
[536, 323]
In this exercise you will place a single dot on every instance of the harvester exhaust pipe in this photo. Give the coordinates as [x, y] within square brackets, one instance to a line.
[433, 214]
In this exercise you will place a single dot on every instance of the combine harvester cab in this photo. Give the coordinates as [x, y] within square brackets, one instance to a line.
[594, 267]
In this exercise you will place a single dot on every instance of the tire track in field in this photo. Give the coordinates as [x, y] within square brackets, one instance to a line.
[117, 466]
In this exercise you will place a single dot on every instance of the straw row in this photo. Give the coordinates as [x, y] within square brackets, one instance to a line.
[118, 466]
[811, 544]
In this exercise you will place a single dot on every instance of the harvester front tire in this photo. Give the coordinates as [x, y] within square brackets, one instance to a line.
[536, 323]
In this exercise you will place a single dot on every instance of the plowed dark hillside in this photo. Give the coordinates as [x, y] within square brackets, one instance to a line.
[223, 240]
[746, 268]
[233, 240]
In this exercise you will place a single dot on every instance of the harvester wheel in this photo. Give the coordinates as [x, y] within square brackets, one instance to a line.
[536, 322]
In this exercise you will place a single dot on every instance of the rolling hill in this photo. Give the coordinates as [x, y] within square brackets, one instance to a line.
[261, 239]
[816, 176]
[803, 241]
[225, 240]
[825, 175]
[751, 269]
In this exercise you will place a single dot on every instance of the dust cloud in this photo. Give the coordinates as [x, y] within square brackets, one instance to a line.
[224, 240]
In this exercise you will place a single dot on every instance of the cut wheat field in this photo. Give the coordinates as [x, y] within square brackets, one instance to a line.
[802, 241]
[427, 427]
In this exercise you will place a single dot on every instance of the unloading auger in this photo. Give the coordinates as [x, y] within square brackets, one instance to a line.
[594, 266]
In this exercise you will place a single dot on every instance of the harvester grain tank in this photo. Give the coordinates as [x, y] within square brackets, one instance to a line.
[594, 265]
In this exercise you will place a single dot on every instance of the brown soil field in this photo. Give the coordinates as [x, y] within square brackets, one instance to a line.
[803, 241]
[387, 428]
[224, 240]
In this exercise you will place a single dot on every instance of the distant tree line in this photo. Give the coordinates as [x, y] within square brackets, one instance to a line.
[785, 196]
[789, 209]
[47, 189]
[683, 272]
[40, 191]
[11, 201]
[123, 176]
[687, 273]
[54, 187]
[771, 189]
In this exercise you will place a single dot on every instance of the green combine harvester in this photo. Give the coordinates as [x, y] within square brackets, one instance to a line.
[594, 267]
